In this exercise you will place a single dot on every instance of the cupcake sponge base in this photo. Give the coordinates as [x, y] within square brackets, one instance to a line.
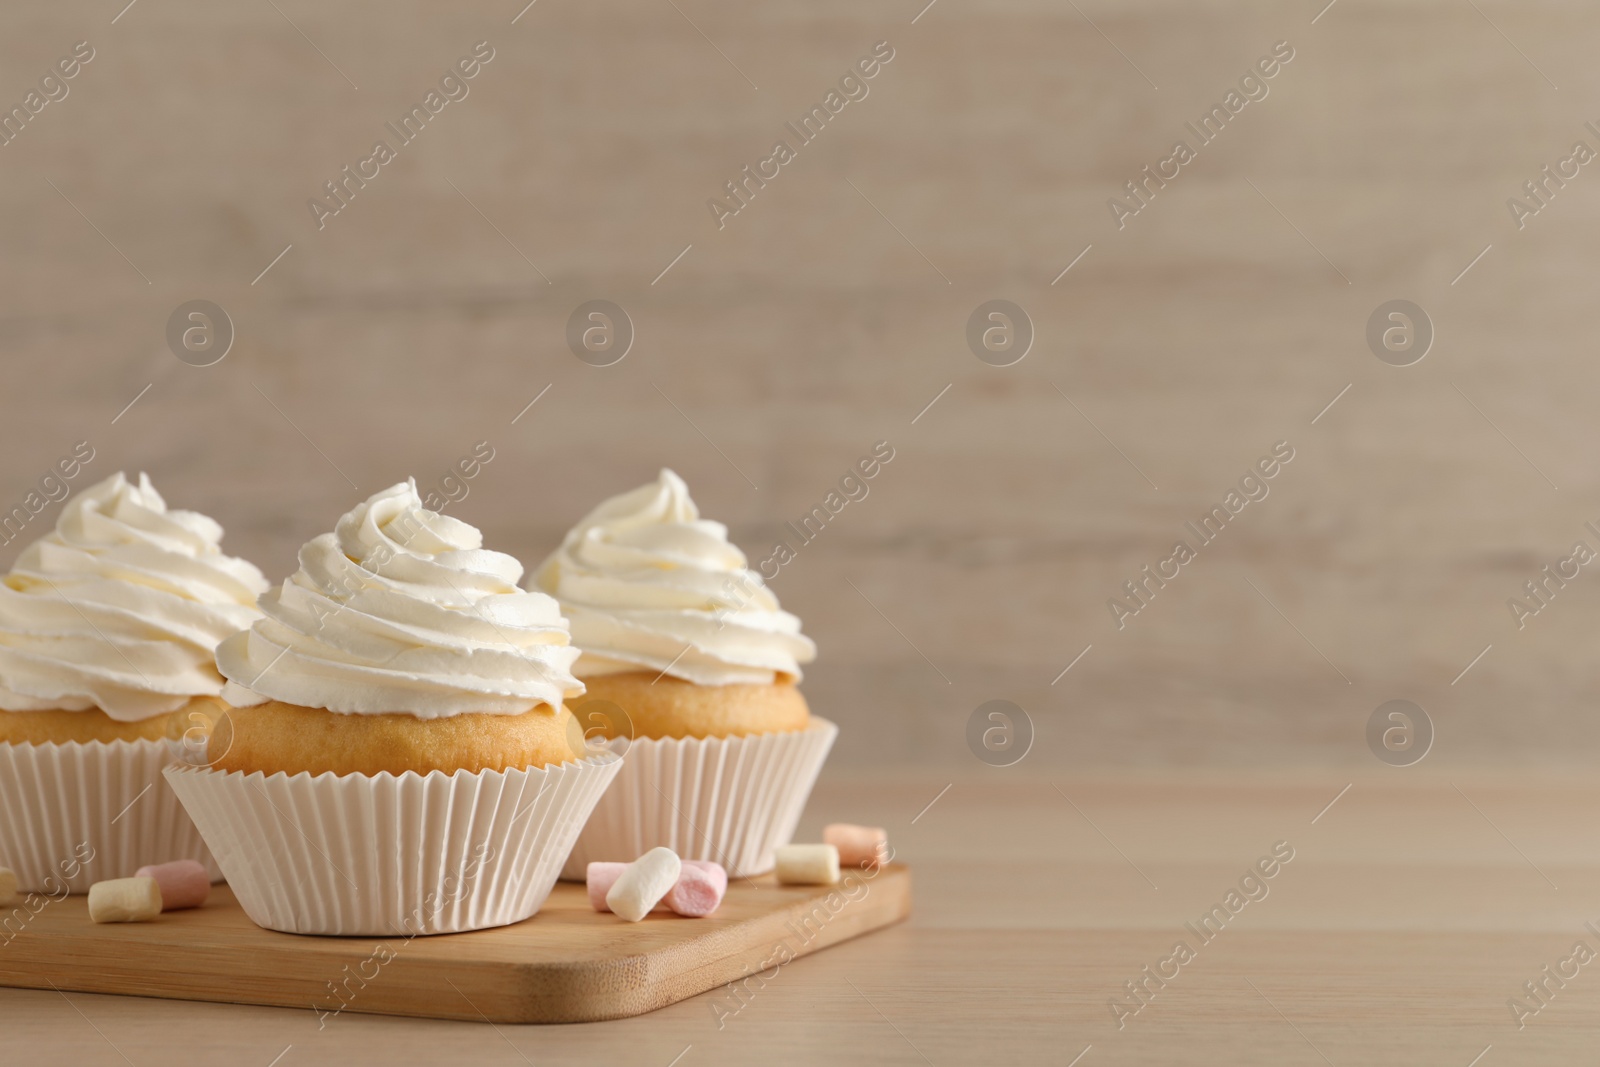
[273, 737]
[82, 727]
[659, 706]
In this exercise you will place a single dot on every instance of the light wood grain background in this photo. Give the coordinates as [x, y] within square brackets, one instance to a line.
[829, 312]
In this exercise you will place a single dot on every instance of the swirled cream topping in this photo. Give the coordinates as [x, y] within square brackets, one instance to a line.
[121, 607]
[402, 609]
[649, 585]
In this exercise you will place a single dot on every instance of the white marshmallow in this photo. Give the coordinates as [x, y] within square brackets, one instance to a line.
[808, 865]
[125, 900]
[642, 885]
[8, 887]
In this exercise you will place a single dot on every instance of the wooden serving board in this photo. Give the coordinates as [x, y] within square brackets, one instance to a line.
[566, 964]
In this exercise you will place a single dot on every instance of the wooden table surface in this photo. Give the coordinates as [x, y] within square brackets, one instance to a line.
[1413, 908]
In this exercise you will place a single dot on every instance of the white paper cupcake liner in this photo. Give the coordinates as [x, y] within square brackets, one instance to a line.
[78, 813]
[731, 800]
[392, 855]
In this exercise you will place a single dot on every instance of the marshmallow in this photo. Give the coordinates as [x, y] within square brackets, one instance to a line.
[8, 887]
[601, 877]
[699, 889]
[184, 883]
[859, 846]
[808, 865]
[125, 900]
[643, 883]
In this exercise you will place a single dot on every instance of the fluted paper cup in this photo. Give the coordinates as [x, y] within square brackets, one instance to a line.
[73, 814]
[392, 855]
[730, 800]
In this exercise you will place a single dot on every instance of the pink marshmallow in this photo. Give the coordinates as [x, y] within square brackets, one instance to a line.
[600, 878]
[184, 883]
[706, 865]
[859, 846]
[701, 885]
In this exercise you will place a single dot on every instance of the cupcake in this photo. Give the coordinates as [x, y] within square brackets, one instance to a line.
[108, 631]
[686, 653]
[395, 756]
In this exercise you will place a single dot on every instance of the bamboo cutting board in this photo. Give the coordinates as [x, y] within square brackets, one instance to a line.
[567, 964]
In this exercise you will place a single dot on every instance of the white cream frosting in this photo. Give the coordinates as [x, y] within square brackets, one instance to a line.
[402, 609]
[647, 584]
[121, 607]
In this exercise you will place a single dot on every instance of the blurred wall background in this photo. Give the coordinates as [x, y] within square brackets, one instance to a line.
[772, 352]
